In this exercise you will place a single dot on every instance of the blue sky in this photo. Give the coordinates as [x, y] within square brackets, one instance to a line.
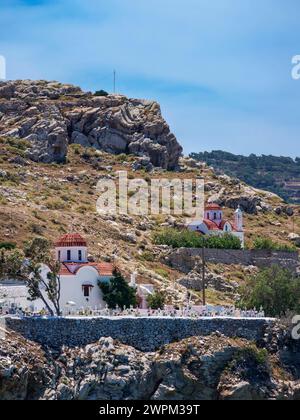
[221, 69]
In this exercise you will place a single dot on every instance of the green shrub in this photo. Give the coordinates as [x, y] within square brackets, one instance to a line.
[7, 245]
[260, 356]
[16, 151]
[161, 272]
[117, 292]
[37, 229]
[147, 256]
[77, 148]
[188, 239]
[38, 249]
[268, 244]
[10, 177]
[55, 204]
[157, 300]
[89, 153]
[11, 263]
[122, 157]
[101, 93]
[274, 289]
[15, 143]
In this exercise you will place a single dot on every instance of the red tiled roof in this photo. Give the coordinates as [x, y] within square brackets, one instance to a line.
[211, 225]
[223, 223]
[71, 269]
[212, 206]
[64, 271]
[71, 239]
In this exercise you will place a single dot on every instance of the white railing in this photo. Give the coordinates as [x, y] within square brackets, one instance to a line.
[168, 311]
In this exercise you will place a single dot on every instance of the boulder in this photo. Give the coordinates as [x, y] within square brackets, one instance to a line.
[295, 238]
[143, 163]
[194, 281]
[289, 211]
[18, 160]
[241, 391]
[129, 237]
[248, 204]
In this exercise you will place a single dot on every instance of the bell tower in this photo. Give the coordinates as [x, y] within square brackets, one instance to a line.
[71, 248]
[214, 213]
[238, 219]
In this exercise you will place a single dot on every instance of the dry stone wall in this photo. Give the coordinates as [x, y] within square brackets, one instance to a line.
[146, 334]
[183, 259]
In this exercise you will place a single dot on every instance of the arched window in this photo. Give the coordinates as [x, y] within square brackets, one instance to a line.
[227, 228]
[86, 291]
[87, 288]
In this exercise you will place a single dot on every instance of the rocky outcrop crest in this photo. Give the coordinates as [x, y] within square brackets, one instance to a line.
[51, 116]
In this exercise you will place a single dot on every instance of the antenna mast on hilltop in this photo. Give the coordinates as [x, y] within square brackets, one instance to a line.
[115, 81]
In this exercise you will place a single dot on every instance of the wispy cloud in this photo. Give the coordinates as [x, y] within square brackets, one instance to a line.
[220, 68]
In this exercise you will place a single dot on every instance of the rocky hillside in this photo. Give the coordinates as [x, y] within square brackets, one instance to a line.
[45, 122]
[40, 199]
[48, 178]
[51, 116]
[200, 368]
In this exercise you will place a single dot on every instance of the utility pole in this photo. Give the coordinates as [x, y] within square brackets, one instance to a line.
[114, 81]
[200, 269]
[203, 278]
[293, 219]
[10, 226]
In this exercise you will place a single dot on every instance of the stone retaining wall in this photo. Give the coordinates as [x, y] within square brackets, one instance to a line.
[146, 334]
[183, 259]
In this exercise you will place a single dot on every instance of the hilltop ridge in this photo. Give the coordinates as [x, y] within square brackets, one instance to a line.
[278, 174]
[52, 115]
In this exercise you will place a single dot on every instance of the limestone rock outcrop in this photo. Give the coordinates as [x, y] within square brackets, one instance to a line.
[50, 116]
[231, 193]
[214, 281]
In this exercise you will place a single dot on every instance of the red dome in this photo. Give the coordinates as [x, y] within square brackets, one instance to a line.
[212, 206]
[71, 239]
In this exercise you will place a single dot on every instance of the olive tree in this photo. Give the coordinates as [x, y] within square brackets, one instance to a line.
[274, 289]
[48, 289]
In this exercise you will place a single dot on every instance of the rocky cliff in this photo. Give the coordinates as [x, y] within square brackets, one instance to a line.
[198, 368]
[51, 116]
